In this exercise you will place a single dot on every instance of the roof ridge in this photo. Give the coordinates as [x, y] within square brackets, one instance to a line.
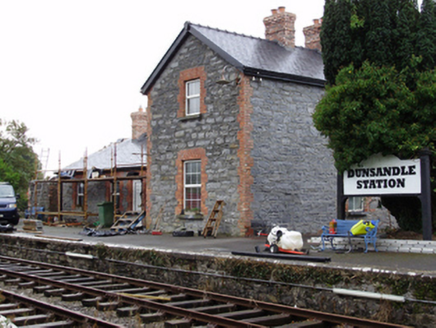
[229, 32]
[244, 35]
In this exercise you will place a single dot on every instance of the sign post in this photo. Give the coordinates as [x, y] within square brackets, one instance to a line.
[425, 196]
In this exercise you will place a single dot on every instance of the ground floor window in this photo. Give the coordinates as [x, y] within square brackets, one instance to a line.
[116, 194]
[192, 185]
[80, 193]
[355, 204]
[137, 196]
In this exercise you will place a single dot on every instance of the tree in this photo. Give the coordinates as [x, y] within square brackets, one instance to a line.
[17, 158]
[336, 37]
[381, 98]
[380, 31]
[373, 110]
[426, 35]
[405, 33]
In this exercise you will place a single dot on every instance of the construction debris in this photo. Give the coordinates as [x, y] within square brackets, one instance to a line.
[6, 228]
[128, 221]
[32, 226]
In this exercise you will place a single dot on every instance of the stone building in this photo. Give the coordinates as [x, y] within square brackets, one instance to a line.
[114, 174]
[229, 118]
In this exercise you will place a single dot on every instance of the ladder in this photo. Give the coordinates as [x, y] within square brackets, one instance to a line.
[156, 230]
[126, 221]
[213, 223]
[43, 162]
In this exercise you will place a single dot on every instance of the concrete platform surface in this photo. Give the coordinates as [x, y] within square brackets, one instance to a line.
[407, 263]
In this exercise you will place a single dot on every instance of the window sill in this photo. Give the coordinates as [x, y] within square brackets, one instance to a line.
[190, 216]
[357, 213]
[190, 117]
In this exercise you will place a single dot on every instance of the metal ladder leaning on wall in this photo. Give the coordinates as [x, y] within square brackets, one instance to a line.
[213, 223]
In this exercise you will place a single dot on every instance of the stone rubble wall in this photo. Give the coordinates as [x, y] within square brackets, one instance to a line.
[302, 285]
[293, 177]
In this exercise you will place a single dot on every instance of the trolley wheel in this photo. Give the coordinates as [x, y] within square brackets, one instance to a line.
[274, 249]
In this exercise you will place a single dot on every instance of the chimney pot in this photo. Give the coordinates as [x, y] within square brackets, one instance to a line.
[280, 27]
[311, 35]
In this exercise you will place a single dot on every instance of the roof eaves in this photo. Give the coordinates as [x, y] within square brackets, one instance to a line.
[165, 59]
[250, 71]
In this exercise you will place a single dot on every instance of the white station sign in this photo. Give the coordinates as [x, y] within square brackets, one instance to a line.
[382, 175]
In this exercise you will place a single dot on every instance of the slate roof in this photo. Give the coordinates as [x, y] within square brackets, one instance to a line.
[253, 56]
[128, 153]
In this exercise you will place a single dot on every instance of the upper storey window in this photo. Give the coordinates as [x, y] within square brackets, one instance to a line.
[192, 93]
[192, 97]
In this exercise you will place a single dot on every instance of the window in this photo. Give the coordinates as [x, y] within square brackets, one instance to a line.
[355, 204]
[192, 97]
[80, 193]
[192, 185]
[192, 93]
[116, 194]
[196, 160]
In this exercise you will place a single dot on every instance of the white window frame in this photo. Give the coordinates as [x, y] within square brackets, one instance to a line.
[186, 186]
[355, 204]
[116, 199]
[80, 193]
[189, 97]
[137, 195]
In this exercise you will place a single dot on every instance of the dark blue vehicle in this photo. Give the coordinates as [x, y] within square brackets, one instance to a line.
[8, 204]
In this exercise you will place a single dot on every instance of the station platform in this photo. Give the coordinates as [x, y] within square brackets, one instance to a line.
[399, 259]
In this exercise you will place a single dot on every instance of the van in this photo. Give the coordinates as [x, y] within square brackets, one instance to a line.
[8, 204]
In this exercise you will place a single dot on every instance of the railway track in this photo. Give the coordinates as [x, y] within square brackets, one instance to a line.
[150, 302]
[24, 311]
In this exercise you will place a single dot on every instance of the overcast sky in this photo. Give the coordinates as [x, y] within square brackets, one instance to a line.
[72, 70]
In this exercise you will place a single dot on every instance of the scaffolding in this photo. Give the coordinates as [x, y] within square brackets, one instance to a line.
[113, 178]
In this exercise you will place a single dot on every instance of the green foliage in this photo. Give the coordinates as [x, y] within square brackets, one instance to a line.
[380, 31]
[379, 64]
[426, 35]
[407, 210]
[17, 158]
[373, 110]
[336, 36]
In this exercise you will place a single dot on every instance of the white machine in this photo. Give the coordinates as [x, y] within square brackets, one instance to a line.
[285, 239]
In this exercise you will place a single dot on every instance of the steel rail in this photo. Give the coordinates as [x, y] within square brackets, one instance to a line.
[249, 303]
[57, 310]
[182, 312]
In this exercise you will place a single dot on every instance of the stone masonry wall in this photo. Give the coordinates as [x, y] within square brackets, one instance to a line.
[303, 285]
[294, 174]
[264, 157]
[215, 131]
[43, 192]
[97, 194]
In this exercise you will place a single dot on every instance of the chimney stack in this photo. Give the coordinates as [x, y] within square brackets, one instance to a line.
[312, 35]
[280, 27]
[139, 123]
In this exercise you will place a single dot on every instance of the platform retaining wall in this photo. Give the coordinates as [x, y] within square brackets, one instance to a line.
[306, 286]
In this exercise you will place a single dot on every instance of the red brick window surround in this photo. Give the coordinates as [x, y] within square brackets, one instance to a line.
[184, 156]
[191, 74]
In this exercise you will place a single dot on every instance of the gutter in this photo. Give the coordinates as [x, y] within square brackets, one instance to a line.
[250, 71]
